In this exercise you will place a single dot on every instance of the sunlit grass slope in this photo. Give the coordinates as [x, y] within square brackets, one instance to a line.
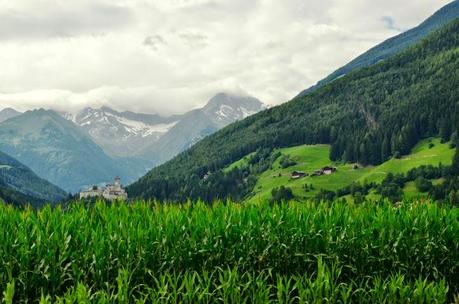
[311, 158]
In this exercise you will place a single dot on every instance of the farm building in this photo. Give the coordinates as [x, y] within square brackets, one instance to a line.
[298, 174]
[324, 171]
[328, 170]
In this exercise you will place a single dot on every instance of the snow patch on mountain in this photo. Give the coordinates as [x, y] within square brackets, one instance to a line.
[121, 133]
[140, 128]
[226, 112]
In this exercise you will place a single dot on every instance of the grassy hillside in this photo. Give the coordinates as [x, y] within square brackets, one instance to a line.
[230, 253]
[420, 155]
[311, 158]
[366, 116]
[243, 162]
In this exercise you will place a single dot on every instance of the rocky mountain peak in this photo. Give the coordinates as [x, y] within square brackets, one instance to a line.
[225, 108]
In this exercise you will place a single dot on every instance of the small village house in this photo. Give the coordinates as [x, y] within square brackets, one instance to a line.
[328, 170]
[298, 174]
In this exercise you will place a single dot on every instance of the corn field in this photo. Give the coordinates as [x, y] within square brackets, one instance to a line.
[230, 253]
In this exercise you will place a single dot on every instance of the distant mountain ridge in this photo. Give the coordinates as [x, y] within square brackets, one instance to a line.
[59, 151]
[220, 111]
[8, 113]
[394, 45]
[121, 134]
[223, 109]
[158, 138]
[19, 185]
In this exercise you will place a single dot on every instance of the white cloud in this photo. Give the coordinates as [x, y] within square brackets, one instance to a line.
[170, 56]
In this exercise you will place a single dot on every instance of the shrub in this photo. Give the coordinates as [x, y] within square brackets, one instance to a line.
[281, 194]
[286, 162]
[423, 185]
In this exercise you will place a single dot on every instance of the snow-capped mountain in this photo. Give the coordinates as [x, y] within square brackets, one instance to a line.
[224, 109]
[157, 138]
[122, 133]
[220, 111]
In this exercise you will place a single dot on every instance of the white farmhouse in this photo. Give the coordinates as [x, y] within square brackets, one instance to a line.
[110, 192]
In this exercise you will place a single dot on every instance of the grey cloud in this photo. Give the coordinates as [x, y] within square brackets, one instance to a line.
[169, 55]
[58, 21]
[154, 42]
[389, 22]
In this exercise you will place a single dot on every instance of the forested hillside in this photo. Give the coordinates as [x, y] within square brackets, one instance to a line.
[368, 116]
[19, 185]
[394, 45]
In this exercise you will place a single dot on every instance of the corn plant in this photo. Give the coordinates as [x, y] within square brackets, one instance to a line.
[228, 252]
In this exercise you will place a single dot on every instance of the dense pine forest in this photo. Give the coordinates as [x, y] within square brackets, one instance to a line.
[368, 116]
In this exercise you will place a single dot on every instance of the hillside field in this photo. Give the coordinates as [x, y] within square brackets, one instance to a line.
[310, 158]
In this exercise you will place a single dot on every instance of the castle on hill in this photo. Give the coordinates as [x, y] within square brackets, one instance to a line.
[111, 192]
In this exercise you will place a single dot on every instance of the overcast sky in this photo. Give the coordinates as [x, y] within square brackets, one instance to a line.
[168, 56]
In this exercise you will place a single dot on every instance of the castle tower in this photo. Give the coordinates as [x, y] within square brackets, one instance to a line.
[117, 183]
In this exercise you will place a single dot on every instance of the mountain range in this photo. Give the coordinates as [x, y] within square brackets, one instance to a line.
[222, 110]
[121, 134]
[158, 138]
[59, 151]
[92, 146]
[367, 116]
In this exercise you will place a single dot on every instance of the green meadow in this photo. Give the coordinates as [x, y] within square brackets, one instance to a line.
[310, 158]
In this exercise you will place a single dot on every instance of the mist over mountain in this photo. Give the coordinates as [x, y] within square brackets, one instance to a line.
[223, 108]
